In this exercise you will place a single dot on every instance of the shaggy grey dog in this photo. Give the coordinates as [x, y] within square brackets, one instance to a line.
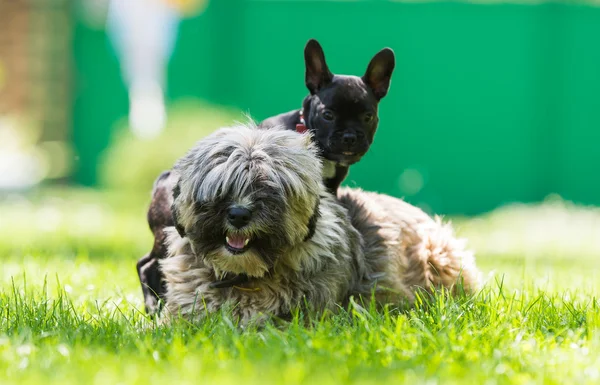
[258, 233]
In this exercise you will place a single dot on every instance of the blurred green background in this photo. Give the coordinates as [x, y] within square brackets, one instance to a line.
[490, 103]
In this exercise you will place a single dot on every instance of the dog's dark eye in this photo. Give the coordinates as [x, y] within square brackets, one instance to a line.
[368, 117]
[328, 115]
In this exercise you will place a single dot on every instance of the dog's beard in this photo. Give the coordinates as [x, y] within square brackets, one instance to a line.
[250, 262]
[251, 250]
[243, 252]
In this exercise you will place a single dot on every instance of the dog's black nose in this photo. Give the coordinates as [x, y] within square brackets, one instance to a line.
[238, 217]
[349, 138]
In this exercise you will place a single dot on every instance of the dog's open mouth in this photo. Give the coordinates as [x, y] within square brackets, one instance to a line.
[237, 243]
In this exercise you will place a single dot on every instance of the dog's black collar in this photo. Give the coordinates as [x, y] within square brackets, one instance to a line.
[229, 282]
[238, 279]
[312, 222]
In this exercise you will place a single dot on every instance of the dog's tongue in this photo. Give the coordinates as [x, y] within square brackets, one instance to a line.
[237, 241]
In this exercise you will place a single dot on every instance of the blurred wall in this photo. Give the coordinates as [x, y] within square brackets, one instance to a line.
[489, 104]
[35, 98]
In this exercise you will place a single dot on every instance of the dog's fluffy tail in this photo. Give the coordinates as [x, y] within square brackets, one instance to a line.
[437, 258]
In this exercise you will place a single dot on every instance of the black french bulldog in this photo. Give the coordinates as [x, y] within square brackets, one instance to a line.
[341, 110]
[342, 113]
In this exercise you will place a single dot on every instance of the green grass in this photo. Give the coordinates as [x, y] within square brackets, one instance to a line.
[71, 309]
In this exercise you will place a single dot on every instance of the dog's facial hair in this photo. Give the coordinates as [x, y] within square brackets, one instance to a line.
[281, 196]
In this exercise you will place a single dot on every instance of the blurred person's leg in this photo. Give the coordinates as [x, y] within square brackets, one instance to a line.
[144, 32]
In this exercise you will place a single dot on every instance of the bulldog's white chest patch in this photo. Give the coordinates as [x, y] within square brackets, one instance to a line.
[328, 169]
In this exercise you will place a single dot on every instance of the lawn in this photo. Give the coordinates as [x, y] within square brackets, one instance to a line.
[71, 309]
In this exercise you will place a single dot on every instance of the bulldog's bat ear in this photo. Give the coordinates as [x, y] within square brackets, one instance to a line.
[317, 73]
[379, 72]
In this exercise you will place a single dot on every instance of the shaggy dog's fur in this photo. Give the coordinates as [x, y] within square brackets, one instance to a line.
[301, 245]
